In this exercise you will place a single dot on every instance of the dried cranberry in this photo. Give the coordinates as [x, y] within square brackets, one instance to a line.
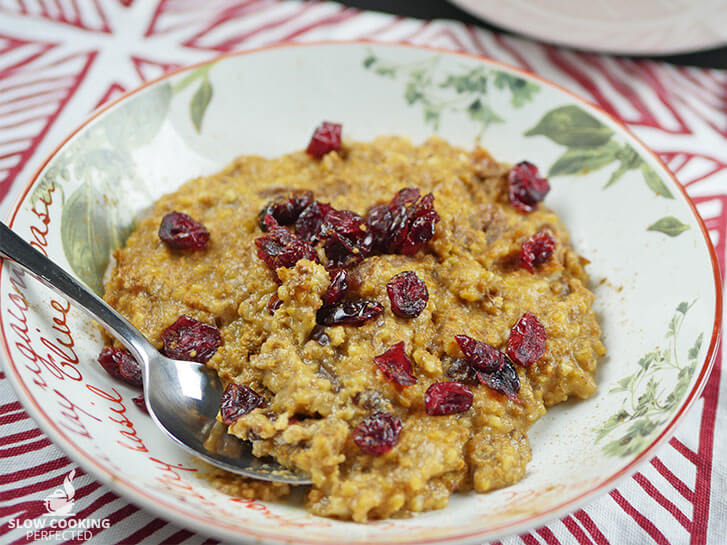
[481, 356]
[422, 221]
[237, 401]
[286, 210]
[337, 288]
[404, 225]
[408, 294]
[378, 433]
[281, 248]
[536, 250]
[341, 252]
[492, 366]
[444, 398]
[139, 402]
[121, 365]
[308, 224]
[461, 371]
[181, 232]
[395, 365]
[274, 303]
[526, 188]
[190, 340]
[327, 137]
[347, 242]
[349, 312]
[526, 344]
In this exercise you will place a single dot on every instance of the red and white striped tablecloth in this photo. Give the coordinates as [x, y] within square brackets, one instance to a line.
[59, 59]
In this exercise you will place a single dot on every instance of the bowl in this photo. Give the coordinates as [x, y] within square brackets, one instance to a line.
[646, 27]
[653, 270]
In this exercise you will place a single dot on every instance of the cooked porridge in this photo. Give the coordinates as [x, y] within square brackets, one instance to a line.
[389, 318]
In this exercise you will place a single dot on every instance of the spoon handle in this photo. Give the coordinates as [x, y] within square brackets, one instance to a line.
[16, 249]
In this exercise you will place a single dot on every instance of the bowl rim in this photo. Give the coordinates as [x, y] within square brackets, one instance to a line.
[205, 525]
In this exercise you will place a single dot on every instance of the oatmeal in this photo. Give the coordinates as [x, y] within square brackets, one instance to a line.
[390, 319]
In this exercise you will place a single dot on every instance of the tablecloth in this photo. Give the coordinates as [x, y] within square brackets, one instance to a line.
[60, 59]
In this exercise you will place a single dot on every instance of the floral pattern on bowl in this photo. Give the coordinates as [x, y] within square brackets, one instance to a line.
[625, 213]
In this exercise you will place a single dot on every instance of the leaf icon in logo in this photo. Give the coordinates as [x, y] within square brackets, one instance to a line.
[68, 485]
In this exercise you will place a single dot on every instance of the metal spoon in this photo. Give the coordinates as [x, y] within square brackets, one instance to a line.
[182, 397]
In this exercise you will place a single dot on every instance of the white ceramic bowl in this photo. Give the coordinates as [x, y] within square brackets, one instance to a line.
[653, 269]
[645, 27]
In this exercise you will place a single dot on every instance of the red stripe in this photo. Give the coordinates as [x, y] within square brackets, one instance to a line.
[504, 42]
[9, 155]
[703, 485]
[113, 518]
[640, 519]
[643, 70]
[548, 536]
[448, 34]
[576, 531]
[23, 122]
[662, 500]
[36, 487]
[673, 480]
[39, 81]
[26, 108]
[34, 471]
[557, 57]
[50, 120]
[625, 90]
[20, 436]
[14, 417]
[177, 538]
[231, 43]
[25, 449]
[529, 539]
[381, 30]
[11, 407]
[589, 525]
[31, 95]
[7, 71]
[23, 139]
[684, 450]
[332, 20]
[142, 533]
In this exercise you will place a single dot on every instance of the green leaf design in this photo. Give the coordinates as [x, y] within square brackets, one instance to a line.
[582, 160]
[521, 89]
[369, 60]
[481, 112]
[694, 350]
[135, 122]
[191, 77]
[474, 81]
[90, 232]
[668, 225]
[199, 103]
[47, 184]
[645, 406]
[654, 181]
[628, 160]
[571, 126]
[462, 91]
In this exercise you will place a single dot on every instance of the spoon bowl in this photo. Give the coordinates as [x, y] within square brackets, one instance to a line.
[182, 397]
